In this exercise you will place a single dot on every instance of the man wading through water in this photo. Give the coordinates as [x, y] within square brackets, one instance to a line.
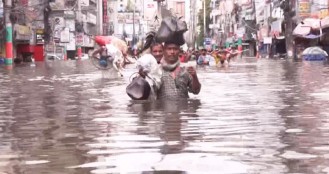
[176, 81]
[171, 81]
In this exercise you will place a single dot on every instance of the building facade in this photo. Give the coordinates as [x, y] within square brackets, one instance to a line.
[71, 25]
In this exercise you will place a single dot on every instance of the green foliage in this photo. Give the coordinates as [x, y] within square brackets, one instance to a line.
[201, 36]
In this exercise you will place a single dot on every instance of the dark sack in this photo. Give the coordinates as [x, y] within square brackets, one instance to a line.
[169, 27]
[138, 89]
[181, 26]
[164, 32]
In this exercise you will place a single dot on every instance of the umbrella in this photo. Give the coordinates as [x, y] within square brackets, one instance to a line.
[314, 54]
[314, 51]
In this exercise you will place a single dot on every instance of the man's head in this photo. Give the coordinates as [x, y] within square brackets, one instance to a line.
[171, 52]
[204, 51]
[157, 51]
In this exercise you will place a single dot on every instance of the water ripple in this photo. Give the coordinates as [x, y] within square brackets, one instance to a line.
[255, 116]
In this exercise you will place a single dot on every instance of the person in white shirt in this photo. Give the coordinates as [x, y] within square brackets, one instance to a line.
[148, 66]
[204, 58]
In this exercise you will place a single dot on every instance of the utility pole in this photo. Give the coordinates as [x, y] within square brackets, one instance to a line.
[204, 18]
[79, 50]
[134, 11]
[9, 35]
[100, 16]
[269, 21]
[192, 16]
[159, 8]
[290, 46]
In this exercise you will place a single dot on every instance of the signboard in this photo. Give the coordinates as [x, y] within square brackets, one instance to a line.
[91, 18]
[105, 17]
[87, 41]
[79, 39]
[71, 45]
[304, 8]
[57, 5]
[84, 3]
[69, 14]
[58, 22]
[207, 41]
[240, 32]
[267, 40]
[69, 23]
[1, 9]
[22, 32]
[323, 13]
[39, 34]
[65, 35]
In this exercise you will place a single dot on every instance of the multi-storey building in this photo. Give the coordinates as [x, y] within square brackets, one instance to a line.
[55, 26]
[224, 21]
[71, 24]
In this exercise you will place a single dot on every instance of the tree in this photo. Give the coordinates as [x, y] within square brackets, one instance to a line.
[201, 23]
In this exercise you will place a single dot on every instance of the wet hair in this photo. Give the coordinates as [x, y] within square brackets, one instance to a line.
[155, 44]
[176, 38]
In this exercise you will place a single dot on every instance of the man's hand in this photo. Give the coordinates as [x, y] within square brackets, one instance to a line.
[191, 71]
[196, 86]
[142, 73]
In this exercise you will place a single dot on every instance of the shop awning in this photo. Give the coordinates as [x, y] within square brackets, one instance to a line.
[304, 28]
[312, 36]
[301, 30]
[325, 22]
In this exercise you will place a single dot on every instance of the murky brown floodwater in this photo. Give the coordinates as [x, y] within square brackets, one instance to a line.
[267, 116]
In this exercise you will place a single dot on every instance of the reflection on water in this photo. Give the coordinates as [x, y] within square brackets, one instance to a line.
[265, 116]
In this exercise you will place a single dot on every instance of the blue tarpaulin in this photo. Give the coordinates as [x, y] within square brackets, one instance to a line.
[314, 57]
[312, 36]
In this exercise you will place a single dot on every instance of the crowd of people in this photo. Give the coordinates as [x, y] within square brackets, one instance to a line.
[160, 67]
[203, 56]
[160, 74]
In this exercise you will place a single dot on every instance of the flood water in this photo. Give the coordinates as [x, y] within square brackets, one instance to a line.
[265, 116]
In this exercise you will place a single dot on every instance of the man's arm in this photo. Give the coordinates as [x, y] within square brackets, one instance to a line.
[195, 85]
[96, 52]
[200, 60]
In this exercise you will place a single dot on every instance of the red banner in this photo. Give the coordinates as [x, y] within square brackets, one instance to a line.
[105, 17]
[304, 8]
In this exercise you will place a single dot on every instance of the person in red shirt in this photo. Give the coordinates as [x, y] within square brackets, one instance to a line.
[231, 53]
[182, 57]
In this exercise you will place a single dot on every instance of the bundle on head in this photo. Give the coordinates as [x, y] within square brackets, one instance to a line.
[120, 44]
[149, 40]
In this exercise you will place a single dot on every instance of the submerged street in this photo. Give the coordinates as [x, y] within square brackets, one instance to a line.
[255, 116]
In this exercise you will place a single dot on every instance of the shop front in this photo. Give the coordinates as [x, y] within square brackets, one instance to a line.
[22, 37]
[39, 45]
